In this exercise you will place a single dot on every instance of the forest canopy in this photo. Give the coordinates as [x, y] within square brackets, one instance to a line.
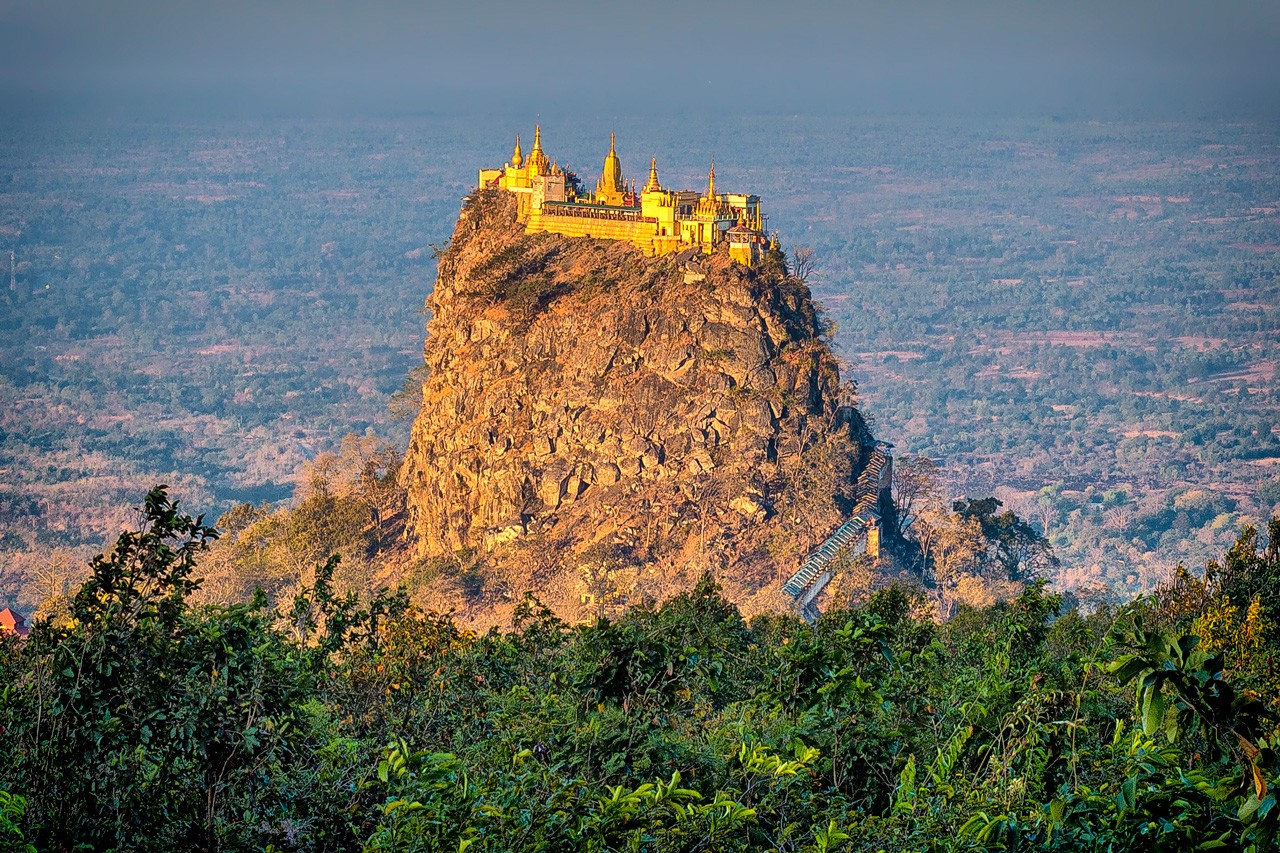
[144, 721]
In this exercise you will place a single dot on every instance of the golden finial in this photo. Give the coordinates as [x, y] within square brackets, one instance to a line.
[652, 185]
[711, 181]
[517, 158]
[537, 162]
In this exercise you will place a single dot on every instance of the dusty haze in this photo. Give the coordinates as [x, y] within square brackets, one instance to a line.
[1133, 57]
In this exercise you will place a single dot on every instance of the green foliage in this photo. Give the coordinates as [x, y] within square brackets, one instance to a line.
[145, 579]
[1181, 692]
[1234, 607]
[327, 725]
[143, 725]
[12, 808]
[1151, 804]
[434, 804]
[1019, 551]
[323, 524]
[1157, 797]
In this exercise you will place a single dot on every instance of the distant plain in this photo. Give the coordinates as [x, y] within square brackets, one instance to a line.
[1081, 318]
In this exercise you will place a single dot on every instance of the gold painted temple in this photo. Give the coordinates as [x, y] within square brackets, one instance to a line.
[656, 220]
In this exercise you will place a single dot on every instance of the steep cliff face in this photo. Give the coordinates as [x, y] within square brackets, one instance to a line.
[599, 426]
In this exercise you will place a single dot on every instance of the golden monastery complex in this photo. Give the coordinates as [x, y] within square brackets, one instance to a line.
[656, 220]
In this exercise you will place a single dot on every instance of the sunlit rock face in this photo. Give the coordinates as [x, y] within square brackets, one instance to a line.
[677, 414]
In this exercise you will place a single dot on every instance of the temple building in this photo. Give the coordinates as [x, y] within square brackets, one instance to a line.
[656, 220]
[13, 623]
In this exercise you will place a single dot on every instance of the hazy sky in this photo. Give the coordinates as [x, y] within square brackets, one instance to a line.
[1157, 56]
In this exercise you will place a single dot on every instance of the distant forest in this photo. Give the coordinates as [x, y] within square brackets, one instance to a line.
[1080, 318]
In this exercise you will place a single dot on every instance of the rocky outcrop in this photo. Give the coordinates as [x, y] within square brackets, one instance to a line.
[677, 413]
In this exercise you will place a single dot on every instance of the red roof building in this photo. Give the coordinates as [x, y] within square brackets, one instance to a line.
[10, 621]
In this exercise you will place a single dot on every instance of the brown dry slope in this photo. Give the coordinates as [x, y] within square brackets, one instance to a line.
[600, 424]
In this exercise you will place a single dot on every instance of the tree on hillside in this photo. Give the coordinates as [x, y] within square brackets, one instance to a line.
[1015, 551]
[364, 470]
[804, 262]
[1234, 607]
[407, 402]
[952, 545]
[598, 566]
[58, 571]
[915, 485]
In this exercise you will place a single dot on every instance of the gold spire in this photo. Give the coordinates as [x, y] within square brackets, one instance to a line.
[611, 185]
[709, 205]
[517, 158]
[537, 159]
[652, 185]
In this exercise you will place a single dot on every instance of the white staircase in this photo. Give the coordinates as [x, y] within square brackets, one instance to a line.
[849, 538]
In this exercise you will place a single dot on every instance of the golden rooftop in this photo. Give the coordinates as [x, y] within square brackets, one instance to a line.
[656, 220]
